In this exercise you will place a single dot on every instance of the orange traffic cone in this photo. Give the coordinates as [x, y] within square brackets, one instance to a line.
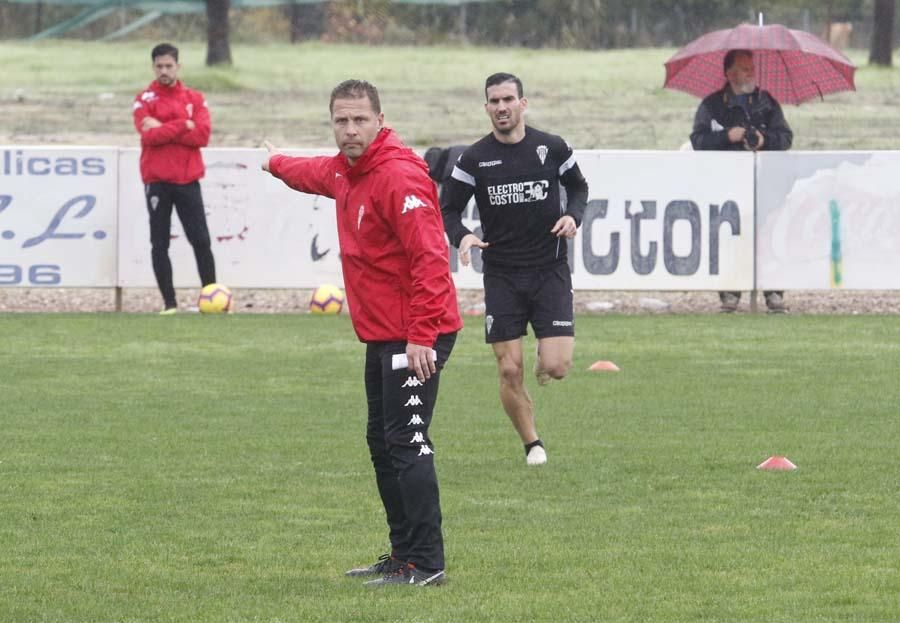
[604, 366]
[777, 463]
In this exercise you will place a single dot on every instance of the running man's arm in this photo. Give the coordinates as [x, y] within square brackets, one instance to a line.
[576, 190]
[454, 199]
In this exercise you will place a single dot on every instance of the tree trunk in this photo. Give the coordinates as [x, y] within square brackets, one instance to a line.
[218, 48]
[882, 34]
[296, 23]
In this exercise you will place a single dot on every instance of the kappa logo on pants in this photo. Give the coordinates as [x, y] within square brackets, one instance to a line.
[412, 382]
[425, 450]
[414, 401]
[415, 420]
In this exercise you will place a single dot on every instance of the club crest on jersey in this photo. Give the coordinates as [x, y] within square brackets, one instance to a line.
[359, 217]
[542, 152]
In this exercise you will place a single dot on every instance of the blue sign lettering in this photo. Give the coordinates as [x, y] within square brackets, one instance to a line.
[50, 232]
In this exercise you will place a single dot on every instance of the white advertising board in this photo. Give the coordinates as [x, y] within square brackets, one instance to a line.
[658, 221]
[264, 235]
[77, 217]
[828, 220]
[58, 216]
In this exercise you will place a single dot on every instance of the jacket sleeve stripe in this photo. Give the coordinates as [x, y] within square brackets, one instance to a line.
[568, 164]
[462, 176]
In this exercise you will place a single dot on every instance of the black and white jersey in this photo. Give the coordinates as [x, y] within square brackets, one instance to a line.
[517, 191]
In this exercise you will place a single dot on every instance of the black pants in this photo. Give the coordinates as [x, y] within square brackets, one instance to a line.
[188, 201]
[400, 411]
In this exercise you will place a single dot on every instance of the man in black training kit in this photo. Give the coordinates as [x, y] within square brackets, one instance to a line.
[515, 173]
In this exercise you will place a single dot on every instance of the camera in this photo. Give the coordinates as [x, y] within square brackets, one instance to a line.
[751, 136]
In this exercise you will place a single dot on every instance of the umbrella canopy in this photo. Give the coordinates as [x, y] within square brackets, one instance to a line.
[792, 65]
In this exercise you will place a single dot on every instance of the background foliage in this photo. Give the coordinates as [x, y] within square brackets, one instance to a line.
[587, 24]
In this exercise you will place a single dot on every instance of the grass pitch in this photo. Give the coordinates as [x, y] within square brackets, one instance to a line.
[197, 468]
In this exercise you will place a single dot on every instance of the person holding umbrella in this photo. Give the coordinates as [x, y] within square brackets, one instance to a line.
[741, 116]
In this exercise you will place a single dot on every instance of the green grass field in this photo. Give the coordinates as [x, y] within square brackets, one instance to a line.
[78, 92]
[214, 469]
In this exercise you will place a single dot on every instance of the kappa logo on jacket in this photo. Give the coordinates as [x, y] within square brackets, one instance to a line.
[411, 203]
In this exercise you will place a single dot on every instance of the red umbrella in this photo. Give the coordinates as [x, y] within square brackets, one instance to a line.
[792, 65]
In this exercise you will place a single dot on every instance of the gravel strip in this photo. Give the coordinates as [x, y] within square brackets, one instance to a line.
[594, 302]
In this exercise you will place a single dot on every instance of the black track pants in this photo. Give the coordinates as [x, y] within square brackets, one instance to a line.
[187, 200]
[400, 411]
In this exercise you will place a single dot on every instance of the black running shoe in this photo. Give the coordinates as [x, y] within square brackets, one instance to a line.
[384, 565]
[410, 576]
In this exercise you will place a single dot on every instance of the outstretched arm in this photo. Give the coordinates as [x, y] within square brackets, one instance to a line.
[309, 175]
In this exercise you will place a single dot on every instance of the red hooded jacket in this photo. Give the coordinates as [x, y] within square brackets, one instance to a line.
[171, 153]
[393, 250]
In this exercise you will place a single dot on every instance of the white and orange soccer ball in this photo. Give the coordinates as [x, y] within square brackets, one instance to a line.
[215, 299]
[326, 299]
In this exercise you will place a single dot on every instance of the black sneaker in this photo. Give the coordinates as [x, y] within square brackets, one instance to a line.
[410, 576]
[384, 565]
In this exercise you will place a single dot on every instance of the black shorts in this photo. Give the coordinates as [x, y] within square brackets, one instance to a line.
[541, 296]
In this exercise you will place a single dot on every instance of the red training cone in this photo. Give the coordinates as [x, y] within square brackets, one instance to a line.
[604, 366]
[775, 463]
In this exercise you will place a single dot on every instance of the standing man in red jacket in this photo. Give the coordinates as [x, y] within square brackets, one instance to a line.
[173, 122]
[403, 305]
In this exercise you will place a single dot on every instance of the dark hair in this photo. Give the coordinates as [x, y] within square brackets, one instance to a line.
[355, 89]
[164, 49]
[732, 56]
[499, 78]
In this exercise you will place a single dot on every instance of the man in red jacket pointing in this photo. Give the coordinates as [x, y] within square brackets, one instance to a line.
[173, 122]
[403, 304]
